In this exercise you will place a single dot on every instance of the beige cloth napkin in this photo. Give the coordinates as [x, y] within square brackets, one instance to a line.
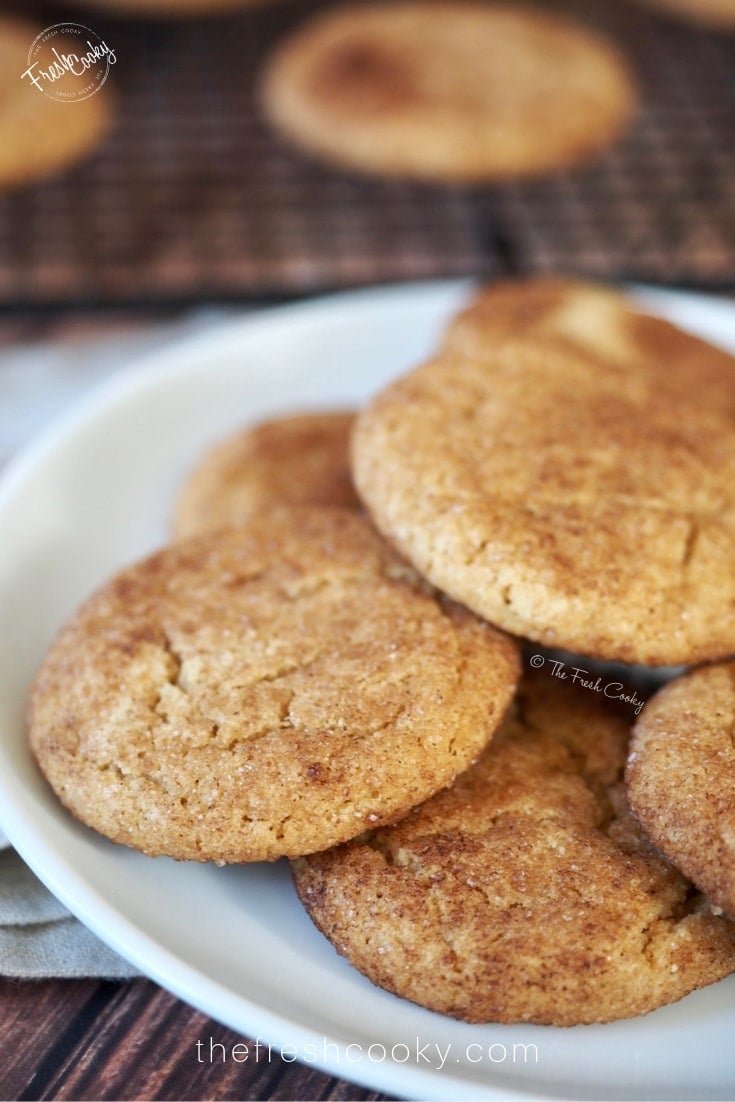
[39, 938]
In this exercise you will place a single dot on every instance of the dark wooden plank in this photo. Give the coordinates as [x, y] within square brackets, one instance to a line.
[35, 1017]
[90, 1039]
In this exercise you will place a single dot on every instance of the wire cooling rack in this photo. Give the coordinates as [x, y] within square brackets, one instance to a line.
[191, 198]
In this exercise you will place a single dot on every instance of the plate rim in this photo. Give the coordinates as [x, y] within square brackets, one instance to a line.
[75, 891]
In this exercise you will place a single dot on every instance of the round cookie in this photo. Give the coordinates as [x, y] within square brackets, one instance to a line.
[681, 777]
[525, 892]
[40, 135]
[594, 320]
[566, 489]
[264, 691]
[441, 91]
[298, 460]
[716, 13]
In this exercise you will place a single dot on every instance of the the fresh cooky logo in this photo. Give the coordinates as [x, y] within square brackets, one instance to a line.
[68, 62]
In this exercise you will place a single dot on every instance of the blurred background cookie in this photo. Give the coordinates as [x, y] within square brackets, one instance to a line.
[41, 132]
[448, 91]
[169, 9]
[297, 460]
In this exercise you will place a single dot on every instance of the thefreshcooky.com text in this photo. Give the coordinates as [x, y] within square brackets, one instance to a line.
[428, 1054]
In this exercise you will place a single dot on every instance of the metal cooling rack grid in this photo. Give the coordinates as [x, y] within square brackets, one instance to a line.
[193, 199]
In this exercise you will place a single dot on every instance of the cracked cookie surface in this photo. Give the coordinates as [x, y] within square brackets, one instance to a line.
[565, 467]
[264, 691]
[526, 892]
[448, 91]
[297, 460]
[681, 777]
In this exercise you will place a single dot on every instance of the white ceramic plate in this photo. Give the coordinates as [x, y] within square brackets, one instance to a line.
[94, 494]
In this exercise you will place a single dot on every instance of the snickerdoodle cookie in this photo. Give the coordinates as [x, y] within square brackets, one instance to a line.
[41, 134]
[569, 476]
[264, 690]
[525, 892]
[461, 91]
[297, 460]
[681, 777]
[595, 320]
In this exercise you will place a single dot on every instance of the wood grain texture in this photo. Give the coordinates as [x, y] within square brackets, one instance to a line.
[94, 1039]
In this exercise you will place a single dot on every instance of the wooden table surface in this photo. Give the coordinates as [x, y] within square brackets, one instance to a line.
[102, 1039]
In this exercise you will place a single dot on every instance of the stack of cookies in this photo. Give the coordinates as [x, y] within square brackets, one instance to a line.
[325, 665]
